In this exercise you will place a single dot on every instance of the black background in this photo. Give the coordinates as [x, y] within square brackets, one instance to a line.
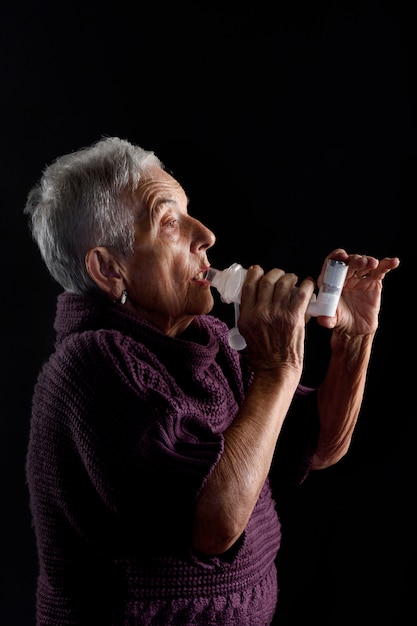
[292, 127]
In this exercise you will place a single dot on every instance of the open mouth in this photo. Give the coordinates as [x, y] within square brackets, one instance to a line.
[201, 275]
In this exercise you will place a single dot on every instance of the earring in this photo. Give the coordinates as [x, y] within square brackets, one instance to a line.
[123, 297]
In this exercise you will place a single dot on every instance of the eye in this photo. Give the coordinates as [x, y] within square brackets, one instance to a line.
[171, 225]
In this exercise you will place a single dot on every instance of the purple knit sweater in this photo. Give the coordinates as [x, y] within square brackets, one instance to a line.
[126, 426]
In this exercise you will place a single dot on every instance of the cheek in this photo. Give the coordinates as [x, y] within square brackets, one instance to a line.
[163, 282]
[144, 266]
[159, 271]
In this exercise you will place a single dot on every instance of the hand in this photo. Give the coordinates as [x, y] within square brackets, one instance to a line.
[272, 318]
[360, 303]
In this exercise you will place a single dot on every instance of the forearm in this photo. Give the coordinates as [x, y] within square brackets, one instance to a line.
[231, 491]
[340, 396]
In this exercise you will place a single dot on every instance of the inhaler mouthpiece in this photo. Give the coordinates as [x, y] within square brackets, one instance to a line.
[228, 282]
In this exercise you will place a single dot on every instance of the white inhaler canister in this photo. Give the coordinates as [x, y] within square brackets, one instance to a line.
[330, 290]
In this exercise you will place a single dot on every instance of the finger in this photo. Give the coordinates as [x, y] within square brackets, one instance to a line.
[360, 276]
[374, 268]
[274, 284]
[360, 265]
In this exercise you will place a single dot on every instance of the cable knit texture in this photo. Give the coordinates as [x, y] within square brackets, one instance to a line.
[126, 426]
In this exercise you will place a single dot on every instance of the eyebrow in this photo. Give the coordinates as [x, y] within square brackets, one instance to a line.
[167, 200]
[160, 203]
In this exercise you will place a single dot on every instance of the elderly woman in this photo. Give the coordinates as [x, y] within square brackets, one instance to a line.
[151, 438]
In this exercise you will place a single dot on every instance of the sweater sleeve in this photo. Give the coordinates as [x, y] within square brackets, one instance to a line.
[125, 434]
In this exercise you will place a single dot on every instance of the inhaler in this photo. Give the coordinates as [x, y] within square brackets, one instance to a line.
[229, 283]
[330, 290]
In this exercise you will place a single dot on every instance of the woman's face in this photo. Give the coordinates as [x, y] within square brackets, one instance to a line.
[164, 276]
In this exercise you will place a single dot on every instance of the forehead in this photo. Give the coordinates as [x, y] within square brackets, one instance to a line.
[157, 187]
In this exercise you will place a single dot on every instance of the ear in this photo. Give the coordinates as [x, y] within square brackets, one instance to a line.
[104, 269]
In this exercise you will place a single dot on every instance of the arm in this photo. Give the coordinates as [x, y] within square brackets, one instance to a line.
[272, 322]
[230, 493]
[354, 327]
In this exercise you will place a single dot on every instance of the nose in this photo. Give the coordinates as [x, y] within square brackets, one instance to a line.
[203, 237]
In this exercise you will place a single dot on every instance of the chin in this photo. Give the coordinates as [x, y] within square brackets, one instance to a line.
[203, 306]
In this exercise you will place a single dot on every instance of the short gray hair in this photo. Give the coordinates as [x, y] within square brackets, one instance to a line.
[83, 200]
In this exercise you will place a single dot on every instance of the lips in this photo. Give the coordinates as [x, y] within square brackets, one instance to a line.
[202, 274]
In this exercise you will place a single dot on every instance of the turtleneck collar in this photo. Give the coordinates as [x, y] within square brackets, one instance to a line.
[79, 314]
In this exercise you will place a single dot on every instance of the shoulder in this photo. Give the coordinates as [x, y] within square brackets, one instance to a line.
[95, 357]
